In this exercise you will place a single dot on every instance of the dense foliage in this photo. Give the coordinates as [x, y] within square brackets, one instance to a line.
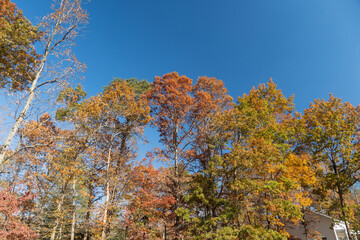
[222, 169]
[17, 54]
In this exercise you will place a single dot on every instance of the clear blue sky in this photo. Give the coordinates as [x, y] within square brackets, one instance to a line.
[309, 47]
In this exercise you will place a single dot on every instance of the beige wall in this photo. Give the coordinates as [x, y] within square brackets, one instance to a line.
[318, 223]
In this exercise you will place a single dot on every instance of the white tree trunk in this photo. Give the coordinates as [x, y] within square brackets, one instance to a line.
[74, 212]
[19, 120]
[107, 199]
[61, 231]
[58, 211]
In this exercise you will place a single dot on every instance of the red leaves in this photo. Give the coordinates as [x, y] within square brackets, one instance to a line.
[150, 201]
[171, 101]
[11, 226]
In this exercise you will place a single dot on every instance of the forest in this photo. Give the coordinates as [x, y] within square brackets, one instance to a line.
[224, 168]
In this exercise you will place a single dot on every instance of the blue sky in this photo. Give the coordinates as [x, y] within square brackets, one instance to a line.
[309, 47]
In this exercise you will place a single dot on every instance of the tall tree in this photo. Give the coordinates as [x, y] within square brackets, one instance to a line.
[333, 139]
[58, 32]
[111, 122]
[263, 173]
[172, 102]
[204, 197]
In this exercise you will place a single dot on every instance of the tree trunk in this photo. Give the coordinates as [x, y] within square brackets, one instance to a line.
[19, 120]
[304, 224]
[342, 205]
[164, 237]
[87, 217]
[107, 199]
[61, 230]
[105, 222]
[340, 193]
[73, 222]
[176, 152]
[58, 211]
[176, 159]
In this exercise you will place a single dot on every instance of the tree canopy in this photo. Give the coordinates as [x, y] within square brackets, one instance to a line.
[222, 169]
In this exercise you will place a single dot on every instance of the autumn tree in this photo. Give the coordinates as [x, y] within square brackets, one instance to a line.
[58, 29]
[51, 168]
[148, 211]
[332, 139]
[263, 176]
[11, 225]
[204, 196]
[127, 115]
[76, 113]
[172, 103]
[185, 116]
[89, 160]
[111, 122]
[17, 52]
